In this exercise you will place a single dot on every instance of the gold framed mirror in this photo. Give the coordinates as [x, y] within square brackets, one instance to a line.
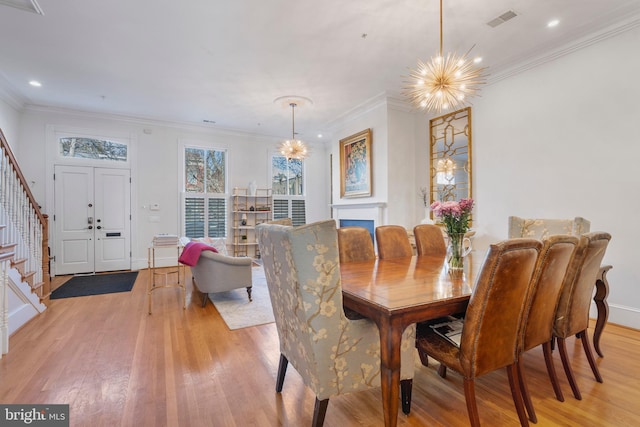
[450, 156]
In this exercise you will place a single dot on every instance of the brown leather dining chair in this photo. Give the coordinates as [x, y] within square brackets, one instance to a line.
[393, 242]
[355, 244]
[572, 314]
[492, 326]
[554, 262]
[429, 240]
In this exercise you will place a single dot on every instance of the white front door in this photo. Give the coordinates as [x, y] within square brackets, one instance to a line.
[92, 219]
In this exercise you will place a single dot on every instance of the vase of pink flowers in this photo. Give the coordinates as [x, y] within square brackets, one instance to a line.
[455, 217]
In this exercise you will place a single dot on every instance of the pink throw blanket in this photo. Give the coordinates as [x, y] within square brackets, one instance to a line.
[191, 253]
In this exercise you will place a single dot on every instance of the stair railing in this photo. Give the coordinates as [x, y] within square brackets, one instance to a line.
[27, 226]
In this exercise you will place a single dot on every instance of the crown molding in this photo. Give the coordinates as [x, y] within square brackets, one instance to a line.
[148, 121]
[569, 48]
[10, 97]
[357, 111]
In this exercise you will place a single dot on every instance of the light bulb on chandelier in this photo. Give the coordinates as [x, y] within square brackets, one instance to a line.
[293, 148]
[445, 82]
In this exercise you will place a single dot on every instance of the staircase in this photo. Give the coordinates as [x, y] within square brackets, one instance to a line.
[25, 284]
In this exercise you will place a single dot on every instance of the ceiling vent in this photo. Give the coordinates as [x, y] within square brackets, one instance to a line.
[28, 5]
[510, 14]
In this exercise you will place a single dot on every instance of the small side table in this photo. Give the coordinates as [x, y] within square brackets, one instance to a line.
[178, 270]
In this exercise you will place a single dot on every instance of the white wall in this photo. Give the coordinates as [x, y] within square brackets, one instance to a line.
[9, 120]
[156, 166]
[560, 141]
[401, 151]
[372, 116]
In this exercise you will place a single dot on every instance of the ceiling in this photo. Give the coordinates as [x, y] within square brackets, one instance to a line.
[226, 61]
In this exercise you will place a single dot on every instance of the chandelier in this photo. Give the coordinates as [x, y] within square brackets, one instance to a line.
[293, 148]
[445, 81]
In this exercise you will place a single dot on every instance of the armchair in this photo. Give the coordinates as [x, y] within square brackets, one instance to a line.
[215, 272]
[541, 228]
[333, 354]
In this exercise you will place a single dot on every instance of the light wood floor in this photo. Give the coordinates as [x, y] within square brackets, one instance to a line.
[116, 365]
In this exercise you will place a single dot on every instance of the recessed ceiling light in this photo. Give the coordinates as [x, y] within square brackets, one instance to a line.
[319, 135]
[35, 83]
[553, 23]
[477, 59]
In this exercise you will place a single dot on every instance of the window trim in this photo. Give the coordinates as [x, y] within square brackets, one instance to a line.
[183, 144]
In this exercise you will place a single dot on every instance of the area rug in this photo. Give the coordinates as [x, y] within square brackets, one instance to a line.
[98, 284]
[237, 311]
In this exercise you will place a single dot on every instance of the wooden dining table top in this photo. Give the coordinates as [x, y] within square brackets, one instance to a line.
[407, 284]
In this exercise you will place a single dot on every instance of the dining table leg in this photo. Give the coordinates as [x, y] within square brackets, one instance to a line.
[600, 298]
[390, 343]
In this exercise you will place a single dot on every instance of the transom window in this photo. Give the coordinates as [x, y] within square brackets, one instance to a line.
[92, 148]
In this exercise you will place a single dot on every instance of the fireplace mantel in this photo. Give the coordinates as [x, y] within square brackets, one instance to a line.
[368, 211]
[378, 205]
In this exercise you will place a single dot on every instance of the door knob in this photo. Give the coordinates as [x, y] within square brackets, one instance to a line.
[90, 227]
[99, 227]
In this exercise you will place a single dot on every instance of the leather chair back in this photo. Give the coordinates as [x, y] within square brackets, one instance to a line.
[572, 314]
[553, 264]
[429, 240]
[355, 244]
[393, 242]
[492, 327]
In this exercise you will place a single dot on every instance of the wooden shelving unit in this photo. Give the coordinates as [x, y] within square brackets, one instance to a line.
[249, 210]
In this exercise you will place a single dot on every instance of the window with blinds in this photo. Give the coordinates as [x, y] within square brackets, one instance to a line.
[217, 217]
[205, 213]
[194, 217]
[287, 208]
[205, 186]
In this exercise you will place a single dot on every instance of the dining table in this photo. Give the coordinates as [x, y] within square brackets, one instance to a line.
[397, 292]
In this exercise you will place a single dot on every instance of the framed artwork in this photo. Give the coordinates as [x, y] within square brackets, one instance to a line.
[355, 165]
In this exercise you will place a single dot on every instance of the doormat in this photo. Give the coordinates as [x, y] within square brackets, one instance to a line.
[82, 286]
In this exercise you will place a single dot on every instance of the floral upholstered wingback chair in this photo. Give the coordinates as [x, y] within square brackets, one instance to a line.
[542, 228]
[332, 354]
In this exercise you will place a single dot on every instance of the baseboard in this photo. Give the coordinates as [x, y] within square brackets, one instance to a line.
[20, 316]
[621, 315]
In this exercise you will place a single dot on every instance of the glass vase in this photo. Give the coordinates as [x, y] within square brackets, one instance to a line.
[459, 247]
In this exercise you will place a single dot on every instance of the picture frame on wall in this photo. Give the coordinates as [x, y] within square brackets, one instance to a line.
[355, 165]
